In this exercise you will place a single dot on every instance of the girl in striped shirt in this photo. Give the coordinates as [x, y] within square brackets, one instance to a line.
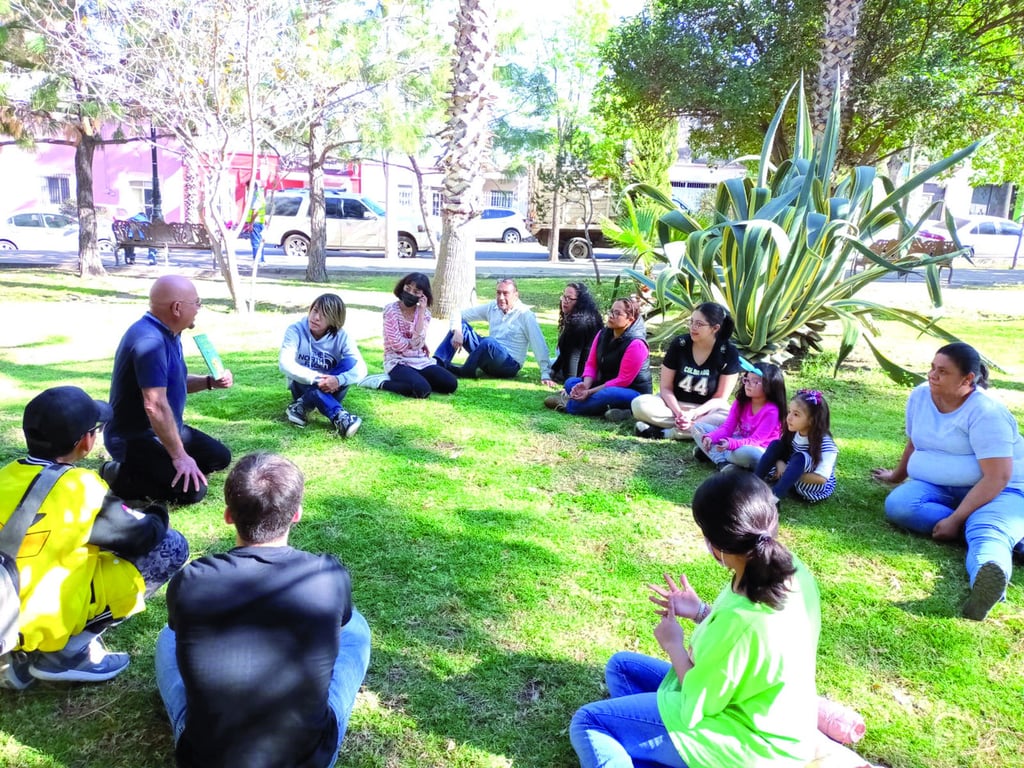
[804, 459]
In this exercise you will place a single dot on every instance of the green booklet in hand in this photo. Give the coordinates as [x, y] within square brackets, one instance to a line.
[206, 349]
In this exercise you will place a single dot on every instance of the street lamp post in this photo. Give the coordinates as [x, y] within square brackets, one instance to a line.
[158, 211]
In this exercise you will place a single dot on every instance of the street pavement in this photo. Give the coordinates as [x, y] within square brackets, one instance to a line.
[493, 260]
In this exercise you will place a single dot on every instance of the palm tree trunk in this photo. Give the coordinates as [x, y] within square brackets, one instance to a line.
[838, 46]
[467, 143]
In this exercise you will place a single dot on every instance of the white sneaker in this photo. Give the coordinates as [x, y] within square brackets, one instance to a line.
[374, 381]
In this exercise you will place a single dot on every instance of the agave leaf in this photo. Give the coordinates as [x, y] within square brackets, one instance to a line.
[896, 372]
[803, 144]
[928, 173]
[830, 140]
[851, 334]
[769, 137]
[650, 192]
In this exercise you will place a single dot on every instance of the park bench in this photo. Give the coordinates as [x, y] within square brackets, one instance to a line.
[919, 246]
[159, 234]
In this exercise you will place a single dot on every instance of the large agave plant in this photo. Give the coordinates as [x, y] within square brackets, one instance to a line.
[779, 248]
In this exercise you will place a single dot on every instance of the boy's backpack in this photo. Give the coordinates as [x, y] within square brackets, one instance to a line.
[11, 536]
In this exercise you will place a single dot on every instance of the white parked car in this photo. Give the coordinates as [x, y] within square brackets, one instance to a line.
[354, 222]
[986, 236]
[504, 224]
[42, 231]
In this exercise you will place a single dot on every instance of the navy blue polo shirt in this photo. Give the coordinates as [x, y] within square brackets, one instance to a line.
[149, 355]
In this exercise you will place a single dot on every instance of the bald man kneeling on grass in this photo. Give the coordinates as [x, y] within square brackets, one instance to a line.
[156, 455]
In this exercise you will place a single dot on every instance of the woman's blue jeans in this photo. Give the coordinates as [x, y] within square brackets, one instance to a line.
[626, 730]
[991, 531]
[600, 401]
[349, 671]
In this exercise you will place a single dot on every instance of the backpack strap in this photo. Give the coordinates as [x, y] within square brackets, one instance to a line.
[13, 533]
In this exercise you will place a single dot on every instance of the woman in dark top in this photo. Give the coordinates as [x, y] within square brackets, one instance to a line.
[579, 320]
[616, 369]
[698, 372]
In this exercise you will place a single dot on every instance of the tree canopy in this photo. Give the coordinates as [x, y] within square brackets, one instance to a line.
[927, 73]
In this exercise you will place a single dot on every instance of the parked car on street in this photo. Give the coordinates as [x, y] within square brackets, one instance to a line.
[354, 222]
[986, 236]
[43, 231]
[504, 224]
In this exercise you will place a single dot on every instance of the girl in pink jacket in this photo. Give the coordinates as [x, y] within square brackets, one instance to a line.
[754, 420]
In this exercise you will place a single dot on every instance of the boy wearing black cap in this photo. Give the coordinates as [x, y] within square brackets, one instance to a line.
[87, 560]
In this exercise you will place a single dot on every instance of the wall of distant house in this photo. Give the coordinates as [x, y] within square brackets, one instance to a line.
[122, 178]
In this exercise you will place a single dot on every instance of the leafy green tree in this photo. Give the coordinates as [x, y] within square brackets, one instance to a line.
[925, 73]
[206, 73]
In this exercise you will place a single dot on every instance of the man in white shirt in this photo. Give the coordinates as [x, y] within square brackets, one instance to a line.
[513, 330]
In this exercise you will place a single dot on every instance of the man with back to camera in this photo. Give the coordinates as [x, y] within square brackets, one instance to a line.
[513, 329]
[263, 652]
[87, 561]
[156, 455]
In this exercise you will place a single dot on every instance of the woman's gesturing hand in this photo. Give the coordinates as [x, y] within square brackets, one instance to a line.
[680, 599]
[669, 632]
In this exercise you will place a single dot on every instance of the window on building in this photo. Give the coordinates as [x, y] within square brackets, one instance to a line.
[435, 202]
[141, 198]
[502, 198]
[57, 188]
[404, 196]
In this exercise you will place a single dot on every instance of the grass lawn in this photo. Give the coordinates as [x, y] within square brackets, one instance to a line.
[500, 550]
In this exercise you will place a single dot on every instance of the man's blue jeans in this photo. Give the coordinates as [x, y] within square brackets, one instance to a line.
[349, 672]
[328, 403]
[991, 531]
[600, 401]
[485, 355]
[626, 730]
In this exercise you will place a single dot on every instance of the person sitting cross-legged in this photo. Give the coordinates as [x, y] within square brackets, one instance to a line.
[513, 329]
[320, 362]
[87, 560]
[617, 368]
[263, 652]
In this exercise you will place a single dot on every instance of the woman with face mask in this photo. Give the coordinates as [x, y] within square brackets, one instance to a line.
[409, 370]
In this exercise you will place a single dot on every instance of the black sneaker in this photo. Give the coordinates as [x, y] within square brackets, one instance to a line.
[649, 431]
[988, 589]
[296, 413]
[14, 671]
[346, 424]
[93, 664]
[699, 455]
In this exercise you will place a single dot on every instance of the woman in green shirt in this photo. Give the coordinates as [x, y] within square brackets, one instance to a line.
[743, 695]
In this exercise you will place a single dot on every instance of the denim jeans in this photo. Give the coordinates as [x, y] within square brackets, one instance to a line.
[796, 465]
[991, 531]
[349, 672]
[485, 355]
[746, 456]
[600, 401]
[627, 727]
[328, 403]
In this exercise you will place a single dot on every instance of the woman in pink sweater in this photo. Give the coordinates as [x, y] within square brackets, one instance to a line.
[754, 420]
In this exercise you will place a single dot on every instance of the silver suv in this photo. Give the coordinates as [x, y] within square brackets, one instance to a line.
[354, 223]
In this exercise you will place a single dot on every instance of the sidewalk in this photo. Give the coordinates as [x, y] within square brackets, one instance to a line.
[493, 260]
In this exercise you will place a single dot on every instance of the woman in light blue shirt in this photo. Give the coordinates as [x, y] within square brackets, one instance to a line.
[962, 472]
